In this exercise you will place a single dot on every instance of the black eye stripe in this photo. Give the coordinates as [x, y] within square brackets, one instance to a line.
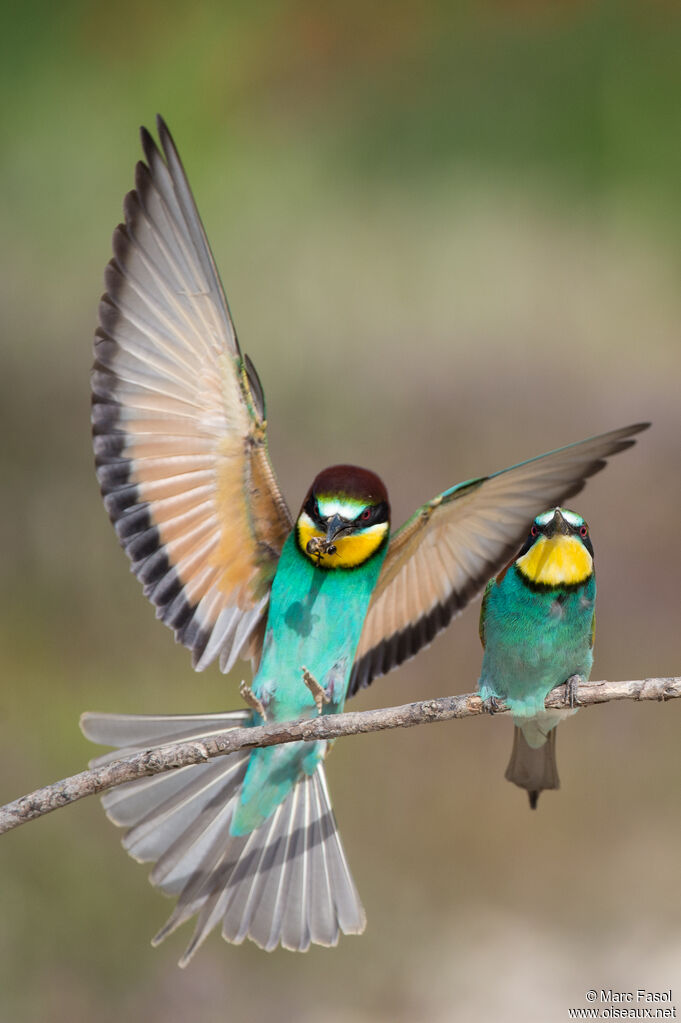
[311, 508]
[377, 513]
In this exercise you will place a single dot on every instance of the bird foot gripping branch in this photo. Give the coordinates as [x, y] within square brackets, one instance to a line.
[572, 685]
[492, 705]
[249, 697]
[319, 692]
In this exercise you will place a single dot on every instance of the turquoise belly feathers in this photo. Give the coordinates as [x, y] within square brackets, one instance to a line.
[320, 605]
[537, 629]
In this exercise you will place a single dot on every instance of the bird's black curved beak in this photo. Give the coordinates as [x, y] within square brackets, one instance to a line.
[558, 525]
[336, 526]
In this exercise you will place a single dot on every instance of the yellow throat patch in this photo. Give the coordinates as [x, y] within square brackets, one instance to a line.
[351, 551]
[556, 561]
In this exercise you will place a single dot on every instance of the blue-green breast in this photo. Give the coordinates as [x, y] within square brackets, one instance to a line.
[315, 621]
[534, 639]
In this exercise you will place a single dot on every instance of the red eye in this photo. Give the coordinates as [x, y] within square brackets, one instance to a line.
[534, 530]
[583, 532]
[366, 515]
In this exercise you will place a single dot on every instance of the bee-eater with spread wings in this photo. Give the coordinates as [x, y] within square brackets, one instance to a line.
[321, 605]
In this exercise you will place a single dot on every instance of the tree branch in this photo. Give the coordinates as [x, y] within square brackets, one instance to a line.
[182, 754]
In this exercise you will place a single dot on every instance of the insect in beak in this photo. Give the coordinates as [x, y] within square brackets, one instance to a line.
[319, 546]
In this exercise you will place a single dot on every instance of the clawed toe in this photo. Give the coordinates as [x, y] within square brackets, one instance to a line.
[318, 692]
[571, 689]
[249, 697]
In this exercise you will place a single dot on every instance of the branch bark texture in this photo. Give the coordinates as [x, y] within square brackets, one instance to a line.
[182, 754]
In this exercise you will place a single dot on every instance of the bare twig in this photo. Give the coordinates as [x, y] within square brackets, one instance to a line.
[182, 754]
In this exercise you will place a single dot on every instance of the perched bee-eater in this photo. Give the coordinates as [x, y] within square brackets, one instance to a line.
[321, 605]
[537, 628]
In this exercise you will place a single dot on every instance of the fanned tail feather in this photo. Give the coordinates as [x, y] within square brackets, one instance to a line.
[286, 883]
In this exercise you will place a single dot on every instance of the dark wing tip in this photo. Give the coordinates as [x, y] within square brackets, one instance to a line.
[143, 182]
[162, 128]
[627, 431]
[639, 427]
[168, 144]
[621, 439]
[149, 147]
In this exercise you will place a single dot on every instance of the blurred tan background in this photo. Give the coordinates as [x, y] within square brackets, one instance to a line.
[450, 239]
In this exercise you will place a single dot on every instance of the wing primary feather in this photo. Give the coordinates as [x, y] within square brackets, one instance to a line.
[178, 423]
[193, 220]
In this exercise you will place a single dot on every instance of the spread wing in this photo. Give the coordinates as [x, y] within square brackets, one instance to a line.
[443, 556]
[179, 424]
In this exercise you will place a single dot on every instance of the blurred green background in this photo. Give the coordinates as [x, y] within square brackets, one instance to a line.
[450, 235]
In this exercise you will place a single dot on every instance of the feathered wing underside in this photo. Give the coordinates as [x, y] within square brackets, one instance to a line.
[179, 423]
[444, 555]
[286, 883]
